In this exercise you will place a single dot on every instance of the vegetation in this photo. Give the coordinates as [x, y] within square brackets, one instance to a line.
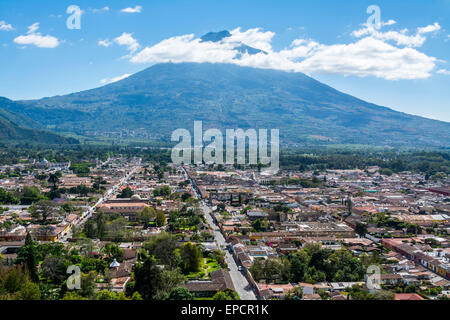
[311, 264]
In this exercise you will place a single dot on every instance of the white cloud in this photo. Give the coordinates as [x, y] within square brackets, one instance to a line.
[399, 37]
[444, 71]
[136, 9]
[95, 10]
[33, 28]
[252, 37]
[126, 39]
[389, 23]
[104, 43]
[115, 79]
[35, 38]
[369, 56]
[5, 26]
[428, 29]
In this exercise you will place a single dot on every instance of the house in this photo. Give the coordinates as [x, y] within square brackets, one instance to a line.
[127, 209]
[220, 281]
[309, 289]
[254, 215]
[390, 279]
[408, 296]
[313, 296]
[274, 291]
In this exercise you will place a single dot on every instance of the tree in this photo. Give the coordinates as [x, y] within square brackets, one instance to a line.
[53, 179]
[30, 195]
[113, 251]
[147, 277]
[221, 296]
[191, 257]
[72, 295]
[226, 294]
[170, 279]
[29, 291]
[160, 218]
[89, 229]
[109, 295]
[219, 256]
[185, 196]
[162, 247]
[88, 284]
[42, 210]
[15, 284]
[361, 229]
[54, 269]
[8, 197]
[126, 193]
[349, 206]
[28, 255]
[146, 215]
[11, 279]
[162, 192]
[257, 225]
[180, 293]
[294, 294]
[384, 295]
[100, 222]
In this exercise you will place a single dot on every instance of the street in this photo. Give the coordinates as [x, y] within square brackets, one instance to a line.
[90, 210]
[240, 282]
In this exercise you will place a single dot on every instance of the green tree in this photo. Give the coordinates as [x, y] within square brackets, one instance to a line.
[361, 229]
[180, 293]
[30, 195]
[29, 291]
[42, 210]
[148, 277]
[100, 222]
[146, 215]
[160, 218]
[191, 257]
[54, 269]
[162, 247]
[27, 255]
[88, 284]
[227, 294]
[113, 251]
[109, 295]
[53, 179]
[126, 193]
[294, 294]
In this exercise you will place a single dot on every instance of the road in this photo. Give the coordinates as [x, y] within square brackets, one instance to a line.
[240, 282]
[90, 210]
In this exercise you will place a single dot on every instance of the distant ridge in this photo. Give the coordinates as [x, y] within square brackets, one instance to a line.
[164, 97]
[17, 128]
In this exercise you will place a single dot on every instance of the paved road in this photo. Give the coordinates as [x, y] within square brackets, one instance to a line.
[90, 210]
[241, 284]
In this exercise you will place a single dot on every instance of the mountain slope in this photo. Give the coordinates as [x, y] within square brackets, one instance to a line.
[22, 120]
[12, 128]
[165, 97]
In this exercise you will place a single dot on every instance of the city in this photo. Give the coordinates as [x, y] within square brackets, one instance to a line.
[224, 159]
[221, 232]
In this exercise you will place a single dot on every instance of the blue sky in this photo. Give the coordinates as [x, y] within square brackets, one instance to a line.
[404, 65]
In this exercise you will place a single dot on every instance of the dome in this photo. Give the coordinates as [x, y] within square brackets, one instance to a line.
[114, 264]
[135, 197]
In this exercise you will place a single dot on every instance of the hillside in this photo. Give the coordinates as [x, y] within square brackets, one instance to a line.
[12, 129]
[165, 97]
